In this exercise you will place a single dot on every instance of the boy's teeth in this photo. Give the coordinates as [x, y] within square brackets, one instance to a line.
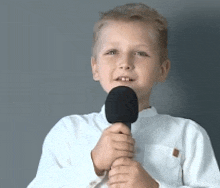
[125, 79]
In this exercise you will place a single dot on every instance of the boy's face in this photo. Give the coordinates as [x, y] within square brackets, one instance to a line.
[129, 49]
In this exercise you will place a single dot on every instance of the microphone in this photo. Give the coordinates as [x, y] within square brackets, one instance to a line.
[121, 105]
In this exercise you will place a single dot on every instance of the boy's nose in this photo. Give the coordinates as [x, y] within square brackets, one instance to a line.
[126, 64]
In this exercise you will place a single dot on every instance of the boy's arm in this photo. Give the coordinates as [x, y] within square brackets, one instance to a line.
[59, 168]
[200, 168]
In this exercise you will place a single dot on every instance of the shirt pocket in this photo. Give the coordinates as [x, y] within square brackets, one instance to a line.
[162, 165]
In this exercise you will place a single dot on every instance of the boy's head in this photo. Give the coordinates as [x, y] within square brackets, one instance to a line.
[134, 12]
[130, 41]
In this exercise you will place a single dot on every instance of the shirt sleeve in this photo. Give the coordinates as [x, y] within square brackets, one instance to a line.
[200, 168]
[58, 169]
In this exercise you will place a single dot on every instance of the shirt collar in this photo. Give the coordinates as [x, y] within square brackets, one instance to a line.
[149, 112]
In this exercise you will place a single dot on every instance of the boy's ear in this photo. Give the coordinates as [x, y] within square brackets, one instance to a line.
[164, 70]
[94, 66]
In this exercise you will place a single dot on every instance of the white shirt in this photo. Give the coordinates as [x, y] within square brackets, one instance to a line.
[176, 152]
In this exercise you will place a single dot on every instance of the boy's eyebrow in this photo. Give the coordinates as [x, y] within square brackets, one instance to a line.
[116, 43]
[141, 45]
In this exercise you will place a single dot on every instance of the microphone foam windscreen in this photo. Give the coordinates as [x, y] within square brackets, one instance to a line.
[121, 105]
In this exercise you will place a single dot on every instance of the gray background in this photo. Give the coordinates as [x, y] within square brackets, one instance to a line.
[45, 72]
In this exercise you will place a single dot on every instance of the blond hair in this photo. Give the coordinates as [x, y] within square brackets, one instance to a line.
[134, 12]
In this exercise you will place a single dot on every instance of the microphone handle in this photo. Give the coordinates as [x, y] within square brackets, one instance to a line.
[128, 124]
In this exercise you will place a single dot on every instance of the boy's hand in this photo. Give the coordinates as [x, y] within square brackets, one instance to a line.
[112, 145]
[128, 173]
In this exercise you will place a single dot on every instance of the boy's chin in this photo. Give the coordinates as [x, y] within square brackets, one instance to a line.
[123, 83]
[118, 83]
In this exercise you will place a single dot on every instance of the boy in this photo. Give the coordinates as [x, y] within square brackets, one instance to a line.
[130, 49]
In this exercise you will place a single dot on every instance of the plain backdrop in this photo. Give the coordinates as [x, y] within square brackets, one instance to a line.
[45, 72]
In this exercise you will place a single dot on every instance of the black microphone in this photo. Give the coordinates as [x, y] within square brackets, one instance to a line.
[121, 105]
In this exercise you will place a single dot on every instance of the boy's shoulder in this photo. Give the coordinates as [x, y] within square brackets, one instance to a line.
[73, 124]
[85, 118]
[177, 120]
[187, 125]
[74, 121]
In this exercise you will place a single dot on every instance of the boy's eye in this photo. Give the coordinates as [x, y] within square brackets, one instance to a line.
[114, 51]
[142, 53]
[110, 52]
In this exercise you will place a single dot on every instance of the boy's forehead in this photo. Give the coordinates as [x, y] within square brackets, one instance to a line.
[143, 36]
[133, 44]
[114, 27]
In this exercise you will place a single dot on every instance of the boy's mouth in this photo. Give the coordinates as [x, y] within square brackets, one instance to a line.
[124, 79]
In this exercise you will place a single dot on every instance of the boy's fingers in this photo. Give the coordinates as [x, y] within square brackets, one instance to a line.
[123, 146]
[123, 138]
[122, 161]
[124, 154]
[119, 128]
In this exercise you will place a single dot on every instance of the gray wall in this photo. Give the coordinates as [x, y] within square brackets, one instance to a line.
[45, 72]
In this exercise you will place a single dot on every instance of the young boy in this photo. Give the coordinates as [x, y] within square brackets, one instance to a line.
[160, 151]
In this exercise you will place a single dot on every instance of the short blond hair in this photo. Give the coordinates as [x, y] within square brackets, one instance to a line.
[134, 12]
